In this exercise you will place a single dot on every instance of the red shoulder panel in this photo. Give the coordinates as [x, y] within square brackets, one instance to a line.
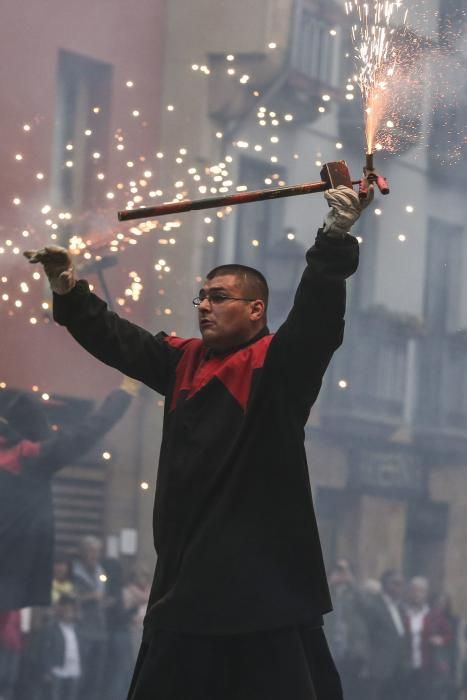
[235, 371]
[180, 343]
[10, 457]
[237, 374]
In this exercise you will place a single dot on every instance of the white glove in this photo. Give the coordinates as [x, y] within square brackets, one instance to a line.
[346, 207]
[58, 267]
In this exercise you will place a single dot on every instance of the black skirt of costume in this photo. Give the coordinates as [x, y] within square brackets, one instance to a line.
[293, 663]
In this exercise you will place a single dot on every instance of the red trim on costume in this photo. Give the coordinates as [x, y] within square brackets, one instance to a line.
[235, 371]
[10, 457]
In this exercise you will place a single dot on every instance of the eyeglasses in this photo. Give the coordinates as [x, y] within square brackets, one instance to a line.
[215, 298]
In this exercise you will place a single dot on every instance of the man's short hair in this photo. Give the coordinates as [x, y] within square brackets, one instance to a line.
[254, 281]
[90, 541]
[389, 574]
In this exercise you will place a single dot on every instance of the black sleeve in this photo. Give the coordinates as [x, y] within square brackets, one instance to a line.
[68, 444]
[114, 340]
[304, 344]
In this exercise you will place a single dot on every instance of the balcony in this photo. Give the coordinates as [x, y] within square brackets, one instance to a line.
[290, 79]
[440, 419]
[389, 376]
[369, 386]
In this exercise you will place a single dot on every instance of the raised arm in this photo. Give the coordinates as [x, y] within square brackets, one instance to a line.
[68, 444]
[303, 346]
[110, 338]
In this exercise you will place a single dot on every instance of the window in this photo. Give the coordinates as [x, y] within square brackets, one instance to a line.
[259, 225]
[451, 19]
[442, 276]
[314, 47]
[81, 129]
[425, 540]
[361, 287]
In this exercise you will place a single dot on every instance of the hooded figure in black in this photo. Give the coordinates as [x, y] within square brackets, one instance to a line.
[30, 454]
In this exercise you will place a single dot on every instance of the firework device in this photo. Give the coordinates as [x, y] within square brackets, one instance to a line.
[332, 175]
[372, 177]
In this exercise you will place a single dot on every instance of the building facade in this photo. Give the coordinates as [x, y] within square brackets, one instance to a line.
[238, 96]
[263, 95]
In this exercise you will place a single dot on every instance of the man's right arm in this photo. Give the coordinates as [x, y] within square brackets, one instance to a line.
[114, 340]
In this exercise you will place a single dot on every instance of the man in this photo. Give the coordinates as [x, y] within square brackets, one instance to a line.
[417, 611]
[346, 630]
[89, 580]
[431, 634]
[61, 651]
[240, 589]
[30, 455]
[388, 639]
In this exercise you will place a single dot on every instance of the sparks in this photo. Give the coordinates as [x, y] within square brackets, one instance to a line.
[376, 56]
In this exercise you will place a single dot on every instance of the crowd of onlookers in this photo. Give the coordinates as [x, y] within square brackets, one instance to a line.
[395, 640]
[391, 639]
[83, 646]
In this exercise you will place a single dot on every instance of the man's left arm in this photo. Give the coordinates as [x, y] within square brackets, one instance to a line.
[303, 346]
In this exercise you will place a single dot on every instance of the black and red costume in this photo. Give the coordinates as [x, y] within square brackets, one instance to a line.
[26, 509]
[234, 526]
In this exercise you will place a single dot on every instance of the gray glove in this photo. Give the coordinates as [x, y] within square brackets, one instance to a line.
[346, 207]
[58, 267]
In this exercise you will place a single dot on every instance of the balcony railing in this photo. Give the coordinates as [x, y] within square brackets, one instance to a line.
[371, 378]
[442, 387]
[388, 375]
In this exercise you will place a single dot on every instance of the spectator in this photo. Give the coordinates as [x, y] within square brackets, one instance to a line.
[136, 597]
[61, 652]
[120, 658]
[29, 684]
[346, 630]
[417, 611]
[10, 651]
[61, 582]
[388, 639]
[90, 583]
[438, 647]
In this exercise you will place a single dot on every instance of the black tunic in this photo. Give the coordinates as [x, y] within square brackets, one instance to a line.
[26, 509]
[234, 525]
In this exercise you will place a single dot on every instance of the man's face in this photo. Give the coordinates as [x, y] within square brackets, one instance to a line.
[342, 572]
[418, 594]
[91, 554]
[60, 571]
[224, 324]
[394, 586]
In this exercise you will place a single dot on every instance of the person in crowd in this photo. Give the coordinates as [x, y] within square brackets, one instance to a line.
[119, 657]
[240, 588]
[90, 581]
[61, 581]
[10, 651]
[61, 652]
[346, 630]
[30, 455]
[388, 639]
[136, 596]
[30, 678]
[417, 611]
[438, 649]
